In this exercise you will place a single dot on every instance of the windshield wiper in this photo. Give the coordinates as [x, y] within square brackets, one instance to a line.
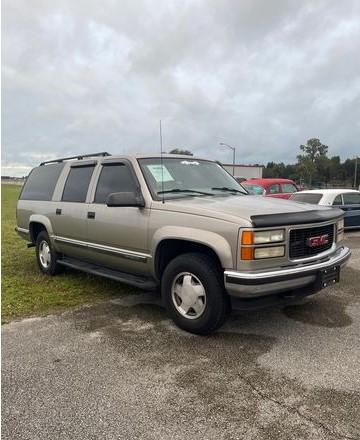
[179, 190]
[225, 188]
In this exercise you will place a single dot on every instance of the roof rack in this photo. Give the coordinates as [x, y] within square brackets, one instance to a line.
[81, 156]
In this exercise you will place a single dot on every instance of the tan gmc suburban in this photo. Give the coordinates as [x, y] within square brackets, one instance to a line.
[180, 224]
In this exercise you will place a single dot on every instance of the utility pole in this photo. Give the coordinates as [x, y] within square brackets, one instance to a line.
[355, 172]
[234, 152]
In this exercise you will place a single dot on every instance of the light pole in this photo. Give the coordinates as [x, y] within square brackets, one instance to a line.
[233, 150]
[355, 171]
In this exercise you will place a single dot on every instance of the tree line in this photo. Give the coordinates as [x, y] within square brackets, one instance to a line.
[314, 168]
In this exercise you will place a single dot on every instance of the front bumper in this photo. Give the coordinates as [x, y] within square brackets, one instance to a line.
[260, 283]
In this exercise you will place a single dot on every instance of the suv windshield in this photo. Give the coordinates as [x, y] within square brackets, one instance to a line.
[175, 177]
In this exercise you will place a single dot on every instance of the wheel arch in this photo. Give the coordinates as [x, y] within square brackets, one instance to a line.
[38, 223]
[174, 241]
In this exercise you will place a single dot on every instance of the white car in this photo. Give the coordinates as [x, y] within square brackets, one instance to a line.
[346, 199]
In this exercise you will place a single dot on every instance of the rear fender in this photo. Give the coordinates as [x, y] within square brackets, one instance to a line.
[42, 219]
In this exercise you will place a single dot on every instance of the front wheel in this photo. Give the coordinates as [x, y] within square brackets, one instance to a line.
[193, 293]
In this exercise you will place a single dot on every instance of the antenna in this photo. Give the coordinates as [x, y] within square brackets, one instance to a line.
[162, 166]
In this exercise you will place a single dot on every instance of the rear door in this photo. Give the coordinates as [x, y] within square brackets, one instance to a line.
[117, 236]
[69, 216]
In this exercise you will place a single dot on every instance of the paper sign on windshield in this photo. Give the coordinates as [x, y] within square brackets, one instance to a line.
[160, 173]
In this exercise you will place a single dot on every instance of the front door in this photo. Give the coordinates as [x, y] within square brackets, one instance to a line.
[117, 236]
[351, 207]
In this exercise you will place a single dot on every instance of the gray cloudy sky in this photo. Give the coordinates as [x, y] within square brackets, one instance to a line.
[83, 76]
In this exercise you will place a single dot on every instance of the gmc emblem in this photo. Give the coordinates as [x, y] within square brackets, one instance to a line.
[319, 240]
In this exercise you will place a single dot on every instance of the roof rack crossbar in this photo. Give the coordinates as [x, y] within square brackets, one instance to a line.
[81, 156]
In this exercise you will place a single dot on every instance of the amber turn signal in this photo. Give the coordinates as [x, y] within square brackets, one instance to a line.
[247, 237]
[247, 253]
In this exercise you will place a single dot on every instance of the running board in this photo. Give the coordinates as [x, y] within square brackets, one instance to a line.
[133, 280]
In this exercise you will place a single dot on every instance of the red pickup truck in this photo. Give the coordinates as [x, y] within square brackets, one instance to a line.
[279, 188]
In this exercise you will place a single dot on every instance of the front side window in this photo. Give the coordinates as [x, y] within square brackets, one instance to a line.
[288, 188]
[77, 184]
[352, 198]
[114, 178]
[174, 177]
[274, 189]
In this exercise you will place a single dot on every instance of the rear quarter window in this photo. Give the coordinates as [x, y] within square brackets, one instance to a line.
[338, 200]
[41, 182]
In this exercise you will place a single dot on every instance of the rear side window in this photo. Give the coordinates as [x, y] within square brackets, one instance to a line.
[41, 182]
[351, 198]
[288, 188]
[77, 184]
[114, 178]
[306, 198]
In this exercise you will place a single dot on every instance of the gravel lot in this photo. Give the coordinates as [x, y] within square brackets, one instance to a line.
[121, 370]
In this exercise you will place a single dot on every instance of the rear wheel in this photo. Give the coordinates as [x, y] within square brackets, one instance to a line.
[194, 294]
[47, 257]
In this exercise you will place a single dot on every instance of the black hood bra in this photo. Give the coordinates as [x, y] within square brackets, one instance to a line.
[296, 218]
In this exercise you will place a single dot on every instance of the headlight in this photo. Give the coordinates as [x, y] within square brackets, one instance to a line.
[250, 241]
[340, 230]
[269, 252]
[261, 237]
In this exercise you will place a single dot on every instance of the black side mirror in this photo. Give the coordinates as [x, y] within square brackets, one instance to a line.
[125, 199]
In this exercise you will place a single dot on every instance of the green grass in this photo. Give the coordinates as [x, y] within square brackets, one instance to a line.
[27, 292]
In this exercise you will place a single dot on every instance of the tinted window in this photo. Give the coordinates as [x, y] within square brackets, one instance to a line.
[77, 184]
[338, 200]
[288, 188]
[274, 189]
[41, 182]
[306, 198]
[114, 178]
[351, 198]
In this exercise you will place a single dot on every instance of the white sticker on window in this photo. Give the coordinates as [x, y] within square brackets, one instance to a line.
[188, 162]
[160, 173]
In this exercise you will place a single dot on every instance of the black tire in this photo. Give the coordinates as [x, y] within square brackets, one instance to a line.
[217, 305]
[53, 267]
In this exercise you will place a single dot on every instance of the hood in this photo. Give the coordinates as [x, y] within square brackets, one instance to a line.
[253, 209]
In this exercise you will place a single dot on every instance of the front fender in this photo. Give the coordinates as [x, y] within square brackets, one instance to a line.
[211, 239]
